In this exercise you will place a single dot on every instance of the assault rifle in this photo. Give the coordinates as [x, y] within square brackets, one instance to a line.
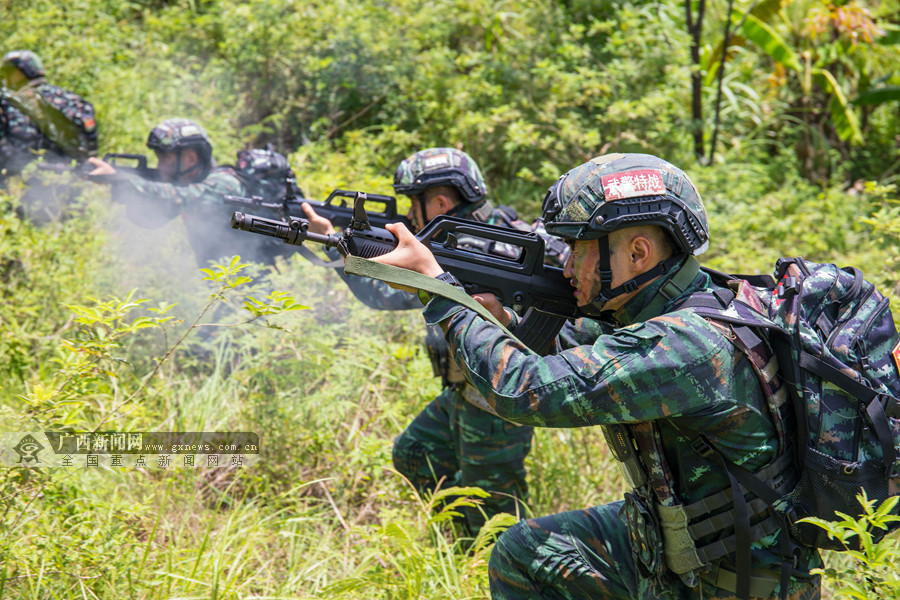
[336, 208]
[118, 160]
[519, 278]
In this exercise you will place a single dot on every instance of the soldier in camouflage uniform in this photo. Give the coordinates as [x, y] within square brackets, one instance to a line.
[189, 185]
[451, 439]
[36, 116]
[674, 393]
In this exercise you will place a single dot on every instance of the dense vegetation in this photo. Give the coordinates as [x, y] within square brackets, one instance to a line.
[792, 140]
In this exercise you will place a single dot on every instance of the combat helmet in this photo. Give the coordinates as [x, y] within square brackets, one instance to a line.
[440, 166]
[25, 62]
[268, 169]
[176, 135]
[615, 191]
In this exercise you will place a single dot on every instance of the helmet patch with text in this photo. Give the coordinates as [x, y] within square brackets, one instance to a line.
[437, 161]
[633, 184]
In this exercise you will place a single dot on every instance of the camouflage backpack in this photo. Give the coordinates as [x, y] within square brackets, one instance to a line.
[838, 354]
[65, 119]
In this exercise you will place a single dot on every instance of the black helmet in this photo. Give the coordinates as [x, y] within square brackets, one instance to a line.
[175, 135]
[267, 167]
[614, 191]
[440, 166]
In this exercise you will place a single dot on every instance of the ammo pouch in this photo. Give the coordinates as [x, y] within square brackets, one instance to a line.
[645, 535]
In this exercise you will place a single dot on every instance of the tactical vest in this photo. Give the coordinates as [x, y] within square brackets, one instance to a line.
[708, 538]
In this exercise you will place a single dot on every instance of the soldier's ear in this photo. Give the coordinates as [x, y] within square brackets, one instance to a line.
[189, 159]
[641, 249]
[445, 202]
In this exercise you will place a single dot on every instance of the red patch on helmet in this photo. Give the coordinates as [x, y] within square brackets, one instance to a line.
[896, 354]
[633, 184]
[89, 124]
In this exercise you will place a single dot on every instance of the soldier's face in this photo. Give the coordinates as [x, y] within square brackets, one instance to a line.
[177, 167]
[581, 269]
[167, 163]
[434, 206]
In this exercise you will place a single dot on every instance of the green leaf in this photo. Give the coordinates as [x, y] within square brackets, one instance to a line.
[845, 120]
[891, 35]
[459, 491]
[771, 43]
[878, 96]
[763, 11]
[163, 308]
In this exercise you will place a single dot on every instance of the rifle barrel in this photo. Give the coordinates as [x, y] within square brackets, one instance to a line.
[295, 231]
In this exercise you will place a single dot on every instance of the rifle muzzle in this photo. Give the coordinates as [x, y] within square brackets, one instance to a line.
[295, 231]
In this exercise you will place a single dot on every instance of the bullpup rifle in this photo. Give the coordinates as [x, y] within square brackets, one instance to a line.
[518, 278]
[337, 208]
[125, 165]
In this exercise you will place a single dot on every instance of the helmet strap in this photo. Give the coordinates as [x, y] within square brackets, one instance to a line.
[607, 292]
[673, 287]
[422, 207]
[179, 173]
[455, 210]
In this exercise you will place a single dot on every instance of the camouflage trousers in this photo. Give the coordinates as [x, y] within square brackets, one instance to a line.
[585, 554]
[466, 446]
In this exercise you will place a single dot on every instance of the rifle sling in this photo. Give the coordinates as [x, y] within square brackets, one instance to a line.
[355, 265]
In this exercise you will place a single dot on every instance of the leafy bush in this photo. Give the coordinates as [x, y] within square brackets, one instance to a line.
[874, 570]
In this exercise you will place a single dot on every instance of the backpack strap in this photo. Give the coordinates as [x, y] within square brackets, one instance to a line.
[722, 278]
[771, 495]
[508, 212]
[747, 324]
[483, 212]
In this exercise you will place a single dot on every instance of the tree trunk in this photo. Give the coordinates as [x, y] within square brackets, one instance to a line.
[695, 30]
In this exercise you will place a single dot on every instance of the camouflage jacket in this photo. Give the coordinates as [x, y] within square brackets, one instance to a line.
[206, 217]
[675, 370]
